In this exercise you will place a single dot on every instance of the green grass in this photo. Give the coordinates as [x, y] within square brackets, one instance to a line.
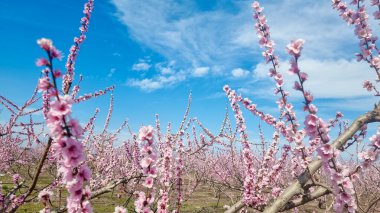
[201, 201]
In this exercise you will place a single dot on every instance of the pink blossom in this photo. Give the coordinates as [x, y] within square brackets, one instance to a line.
[75, 190]
[73, 160]
[368, 85]
[86, 192]
[151, 171]
[45, 43]
[303, 76]
[61, 107]
[255, 5]
[120, 209]
[226, 88]
[57, 73]
[146, 162]
[313, 109]
[375, 62]
[326, 152]
[297, 86]
[55, 128]
[279, 79]
[84, 173]
[146, 133]
[44, 83]
[309, 97]
[56, 53]
[42, 62]
[45, 195]
[76, 129]
[73, 149]
[148, 183]
[294, 69]
[295, 47]
[368, 155]
[311, 123]
[86, 207]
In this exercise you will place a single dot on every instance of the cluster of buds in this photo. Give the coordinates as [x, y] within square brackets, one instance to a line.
[148, 164]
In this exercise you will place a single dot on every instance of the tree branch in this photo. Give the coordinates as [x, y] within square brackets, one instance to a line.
[321, 191]
[296, 187]
[108, 188]
[36, 174]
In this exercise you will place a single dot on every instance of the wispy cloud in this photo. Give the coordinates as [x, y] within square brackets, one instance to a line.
[327, 78]
[222, 42]
[239, 73]
[181, 32]
[200, 71]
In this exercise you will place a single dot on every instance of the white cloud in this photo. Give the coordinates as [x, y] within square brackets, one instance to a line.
[327, 78]
[225, 39]
[145, 84]
[326, 34]
[239, 73]
[354, 104]
[166, 68]
[143, 65]
[177, 31]
[158, 82]
[180, 31]
[200, 71]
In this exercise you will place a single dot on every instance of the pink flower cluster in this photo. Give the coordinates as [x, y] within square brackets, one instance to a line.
[178, 173]
[262, 30]
[367, 41]
[264, 178]
[47, 45]
[166, 175]
[250, 197]
[316, 127]
[340, 179]
[148, 165]
[93, 95]
[44, 196]
[370, 87]
[373, 154]
[295, 47]
[66, 132]
[70, 64]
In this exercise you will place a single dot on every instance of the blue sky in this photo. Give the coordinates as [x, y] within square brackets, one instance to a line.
[156, 52]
